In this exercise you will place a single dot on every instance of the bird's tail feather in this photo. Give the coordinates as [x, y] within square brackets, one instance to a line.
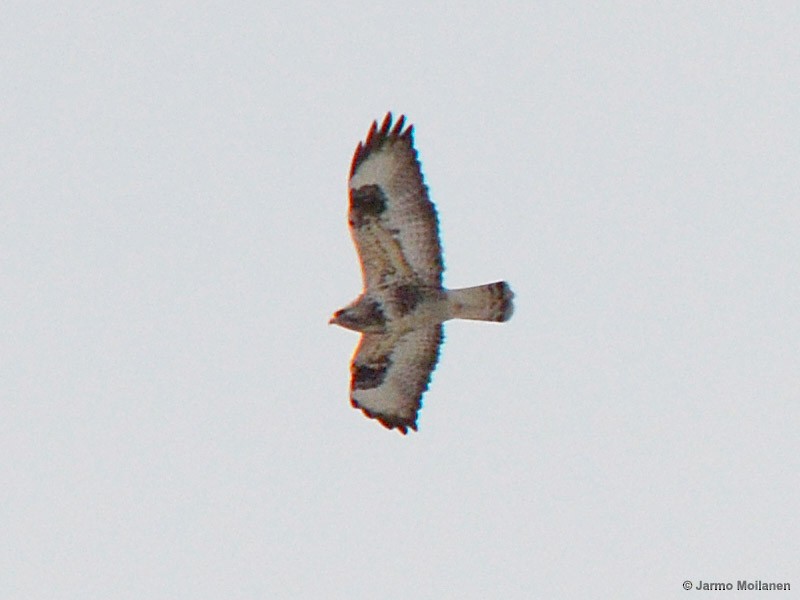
[489, 302]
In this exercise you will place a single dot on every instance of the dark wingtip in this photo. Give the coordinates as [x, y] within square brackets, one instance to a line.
[379, 135]
[401, 425]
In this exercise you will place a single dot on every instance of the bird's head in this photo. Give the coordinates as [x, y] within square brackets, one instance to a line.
[346, 317]
[336, 318]
[362, 315]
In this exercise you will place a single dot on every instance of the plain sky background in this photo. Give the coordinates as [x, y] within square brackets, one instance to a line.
[174, 419]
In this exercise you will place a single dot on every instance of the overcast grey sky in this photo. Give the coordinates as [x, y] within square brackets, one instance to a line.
[174, 415]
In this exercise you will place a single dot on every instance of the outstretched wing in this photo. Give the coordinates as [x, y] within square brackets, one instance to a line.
[389, 374]
[393, 223]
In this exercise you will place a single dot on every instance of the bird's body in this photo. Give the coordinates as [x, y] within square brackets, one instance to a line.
[403, 305]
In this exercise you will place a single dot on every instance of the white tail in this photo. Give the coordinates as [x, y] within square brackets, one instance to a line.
[489, 302]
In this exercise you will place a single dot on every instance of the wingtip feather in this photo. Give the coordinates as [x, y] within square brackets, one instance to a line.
[401, 425]
[380, 134]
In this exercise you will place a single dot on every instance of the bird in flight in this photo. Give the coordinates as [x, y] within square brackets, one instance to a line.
[403, 305]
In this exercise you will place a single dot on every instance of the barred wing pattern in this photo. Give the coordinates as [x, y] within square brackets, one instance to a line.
[392, 221]
[389, 374]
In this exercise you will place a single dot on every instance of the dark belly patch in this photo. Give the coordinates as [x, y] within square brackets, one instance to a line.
[407, 298]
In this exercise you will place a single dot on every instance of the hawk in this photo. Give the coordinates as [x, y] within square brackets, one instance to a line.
[401, 310]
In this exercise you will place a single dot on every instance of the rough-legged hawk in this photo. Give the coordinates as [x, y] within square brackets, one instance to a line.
[403, 305]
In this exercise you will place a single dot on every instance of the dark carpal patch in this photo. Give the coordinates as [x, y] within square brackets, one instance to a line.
[366, 377]
[366, 201]
[407, 298]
